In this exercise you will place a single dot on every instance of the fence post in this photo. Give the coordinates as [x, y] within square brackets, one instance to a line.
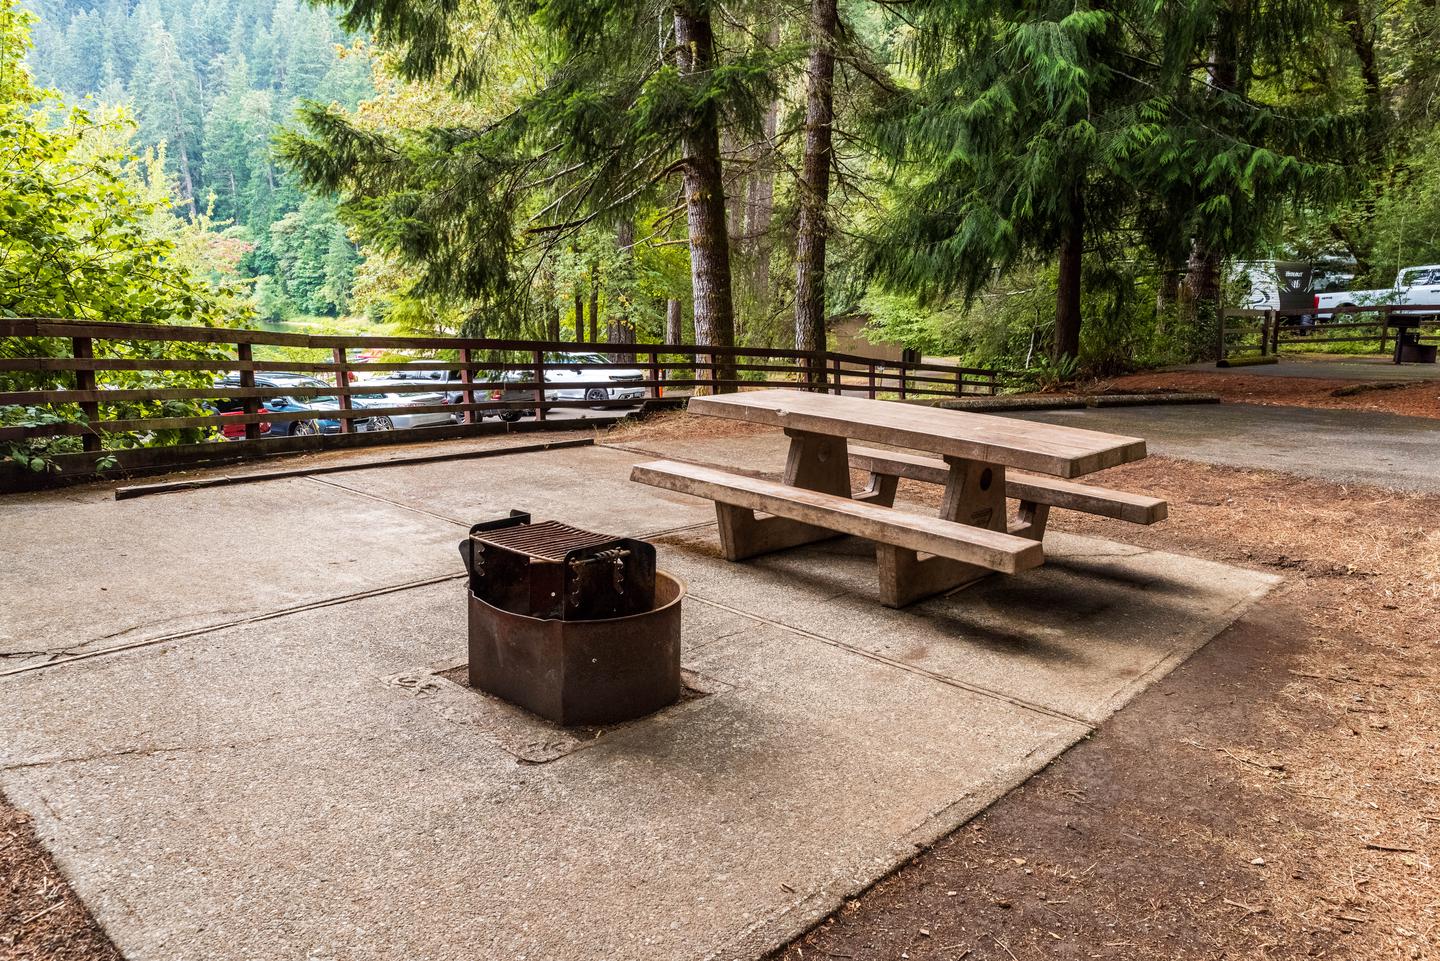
[467, 385]
[655, 389]
[959, 384]
[904, 377]
[1265, 334]
[539, 385]
[83, 348]
[870, 373]
[835, 366]
[251, 405]
[342, 383]
[1274, 331]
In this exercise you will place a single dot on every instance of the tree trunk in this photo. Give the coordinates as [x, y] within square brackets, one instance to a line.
[579, 314]
[1067, 295]
[1167, 295]
[814, 185]
[705, 189]
[674, 328]
[622, 326]
[1202, 271]
[594, 303]
[549, 310]
[761, 208]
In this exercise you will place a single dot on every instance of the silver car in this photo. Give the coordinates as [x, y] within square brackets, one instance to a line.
[383, 398]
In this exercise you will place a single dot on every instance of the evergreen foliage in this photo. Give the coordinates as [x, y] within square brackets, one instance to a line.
[213, 81]
[1046, 128]
[87, 232]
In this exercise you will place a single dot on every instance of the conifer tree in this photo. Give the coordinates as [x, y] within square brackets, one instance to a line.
[629, 98]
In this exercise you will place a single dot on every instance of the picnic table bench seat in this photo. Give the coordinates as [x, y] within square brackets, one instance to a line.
[836, 514]
[1050, 491]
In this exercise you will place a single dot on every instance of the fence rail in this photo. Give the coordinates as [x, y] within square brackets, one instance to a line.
[96, 368]
[1245, 335]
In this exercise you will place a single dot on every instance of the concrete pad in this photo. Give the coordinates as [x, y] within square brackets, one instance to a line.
[268, 791]
[313, 786]
[80, 573]
[1078, 637]
[763, 451]
[589, 487]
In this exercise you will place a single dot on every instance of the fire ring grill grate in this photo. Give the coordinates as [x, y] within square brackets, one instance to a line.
[576, 626]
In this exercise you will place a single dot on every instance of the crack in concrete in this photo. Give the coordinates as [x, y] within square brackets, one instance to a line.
[252, 619]
[387, 500]
[153, 751]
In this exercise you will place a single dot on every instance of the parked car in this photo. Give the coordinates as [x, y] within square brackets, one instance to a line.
[444, 380]
[1413, 285]
[499, 381]
[384, 398]
[624, 380]
[284, 403]
[234, 408]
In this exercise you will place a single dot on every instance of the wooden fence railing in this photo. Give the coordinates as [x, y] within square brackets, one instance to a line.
[93, 367]
[1244, 335]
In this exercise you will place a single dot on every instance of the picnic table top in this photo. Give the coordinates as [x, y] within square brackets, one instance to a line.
[1043, 448]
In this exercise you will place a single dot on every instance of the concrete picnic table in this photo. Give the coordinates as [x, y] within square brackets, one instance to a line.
[971, 538]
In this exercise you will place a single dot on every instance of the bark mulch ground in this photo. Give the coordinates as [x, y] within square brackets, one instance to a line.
[1414, 399]
[1275, 797]
[41, 919]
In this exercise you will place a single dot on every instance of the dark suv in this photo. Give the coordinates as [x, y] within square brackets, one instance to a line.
[283, 403]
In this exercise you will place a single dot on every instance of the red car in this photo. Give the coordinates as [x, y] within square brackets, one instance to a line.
[237, 431]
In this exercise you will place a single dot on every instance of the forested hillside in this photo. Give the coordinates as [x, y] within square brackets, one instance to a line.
[214, 80]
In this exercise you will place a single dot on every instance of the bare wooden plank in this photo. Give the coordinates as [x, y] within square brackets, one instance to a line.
[1045, 448]
[1102, 501]
[994, 550]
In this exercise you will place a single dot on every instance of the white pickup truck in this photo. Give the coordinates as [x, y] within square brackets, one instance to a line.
[1413, 285]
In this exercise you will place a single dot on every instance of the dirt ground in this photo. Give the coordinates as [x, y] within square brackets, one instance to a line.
[1275, 797]
[1415, 399]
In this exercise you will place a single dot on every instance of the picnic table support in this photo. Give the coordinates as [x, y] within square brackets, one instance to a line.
[816, 462]
[974, 495]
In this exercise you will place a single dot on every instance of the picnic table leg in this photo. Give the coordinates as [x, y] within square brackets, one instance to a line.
[974, 495]
[1032, 521]
[817, 462]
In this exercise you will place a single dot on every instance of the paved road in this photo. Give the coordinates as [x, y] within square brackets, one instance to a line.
[1329, 367]
[1341, 446]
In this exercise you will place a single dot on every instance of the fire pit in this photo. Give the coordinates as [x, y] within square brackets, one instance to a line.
[575, 626]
